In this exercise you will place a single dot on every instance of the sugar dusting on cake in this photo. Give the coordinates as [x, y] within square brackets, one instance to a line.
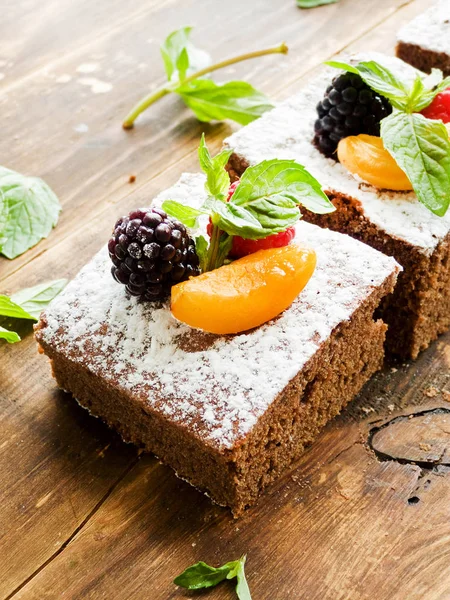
[429, 30]
[287, 132]
[218, 386]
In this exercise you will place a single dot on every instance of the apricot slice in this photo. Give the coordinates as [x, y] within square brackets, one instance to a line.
[365, 156]
[246, 293]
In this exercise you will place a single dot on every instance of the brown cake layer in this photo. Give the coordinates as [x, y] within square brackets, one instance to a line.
[422, 58]
[228, 413]
[235, 477]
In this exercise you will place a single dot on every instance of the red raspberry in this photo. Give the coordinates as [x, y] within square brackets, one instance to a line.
[241, 247]
[439, 108]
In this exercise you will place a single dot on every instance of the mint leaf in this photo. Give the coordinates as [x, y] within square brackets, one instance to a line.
[314, 3]
[35, 299]
[201, 575]
[29, 212]
[27, 304]
[217, 178]
[421, 148]
[381, 79]
[269, 194]
[4, 211]
[242, 589]
[201, 248]
[426, 89]
[186, 214]
[10, 336]
[180, 56]
[235, 100]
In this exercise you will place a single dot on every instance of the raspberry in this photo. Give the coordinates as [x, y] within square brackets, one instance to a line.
[151, 252]
[242, 247]
[439, 108]
[349, 107]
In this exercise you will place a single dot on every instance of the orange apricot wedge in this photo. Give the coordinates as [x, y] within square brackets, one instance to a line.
[246, 293]
[365, 156]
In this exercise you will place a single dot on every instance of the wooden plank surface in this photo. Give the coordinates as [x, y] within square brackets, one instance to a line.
[83, 515]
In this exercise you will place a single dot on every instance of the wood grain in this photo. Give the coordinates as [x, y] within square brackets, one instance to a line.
[82, 515]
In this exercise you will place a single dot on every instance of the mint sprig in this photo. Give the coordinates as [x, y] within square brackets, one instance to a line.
[29, 210]
[265, 202]
[186, 66]
[420, 146]
[27, 304]
[201, 576]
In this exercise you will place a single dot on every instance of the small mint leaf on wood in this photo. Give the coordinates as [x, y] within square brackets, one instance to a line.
[35, 299]
[30, 210]
[421, 147]
[314, 3]
[235, 100]
[201, 575]
[180, 56]
[10, 336]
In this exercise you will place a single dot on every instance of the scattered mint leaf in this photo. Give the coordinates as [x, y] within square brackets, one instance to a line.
[29, 212]
[421, 148]
[314, 3]
[201, 576]
[28, 304]
[242, 589]
[235, 100]
[35, 299]
[186, 214]
[217, 178]
[180, 56]
[186, 67]
[8, 308]
[10, 336]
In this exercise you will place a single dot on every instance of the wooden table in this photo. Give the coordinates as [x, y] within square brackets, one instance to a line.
[365, 513]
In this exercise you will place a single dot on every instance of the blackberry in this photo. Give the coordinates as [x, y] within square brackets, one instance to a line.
[151, 252]
[349, 107]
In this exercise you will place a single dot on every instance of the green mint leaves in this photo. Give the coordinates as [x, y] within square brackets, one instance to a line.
[180, 56]
[201, 575]
[265, 202]
[420, 146]
[28, 212]
[314, 3]
[422, 150]
[236, 100]
[186, 66]
[27, 304]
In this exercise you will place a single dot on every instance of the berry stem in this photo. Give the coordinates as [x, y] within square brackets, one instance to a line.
[150, 99]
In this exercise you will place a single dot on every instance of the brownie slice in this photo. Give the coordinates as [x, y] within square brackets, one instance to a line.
[425, 41]
[393, 222]
[227, 413]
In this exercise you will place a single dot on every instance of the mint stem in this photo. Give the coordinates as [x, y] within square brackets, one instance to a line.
[213, 249]
[129, 120]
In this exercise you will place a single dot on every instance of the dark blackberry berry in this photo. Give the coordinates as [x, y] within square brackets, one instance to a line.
[349, 107]
[151, 252]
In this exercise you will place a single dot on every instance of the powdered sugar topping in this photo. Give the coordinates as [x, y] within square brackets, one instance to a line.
[217, 386]
[287, 132]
